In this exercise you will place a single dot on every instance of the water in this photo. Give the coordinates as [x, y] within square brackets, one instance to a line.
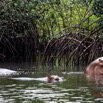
[74, 89]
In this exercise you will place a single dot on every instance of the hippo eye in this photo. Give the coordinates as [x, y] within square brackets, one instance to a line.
[100, 60]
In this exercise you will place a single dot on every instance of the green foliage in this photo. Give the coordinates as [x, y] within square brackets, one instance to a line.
[16, 18]
[98, 7]
[43, 20]
[98, 11]
[87, 2]
[45, 17]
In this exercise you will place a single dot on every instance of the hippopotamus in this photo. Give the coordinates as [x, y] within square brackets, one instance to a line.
[95, 69]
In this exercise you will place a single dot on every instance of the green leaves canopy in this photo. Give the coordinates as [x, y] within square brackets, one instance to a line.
[45, 17]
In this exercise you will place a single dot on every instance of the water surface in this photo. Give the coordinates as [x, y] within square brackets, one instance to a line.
[75, 89]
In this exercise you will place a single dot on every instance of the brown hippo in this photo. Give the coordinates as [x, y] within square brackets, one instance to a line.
[53, 78]
[95, 68]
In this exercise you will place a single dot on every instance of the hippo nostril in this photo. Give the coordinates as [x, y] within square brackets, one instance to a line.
[57, 79]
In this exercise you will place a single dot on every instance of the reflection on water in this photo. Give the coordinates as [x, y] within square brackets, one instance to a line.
[75, 89]
[47, 93]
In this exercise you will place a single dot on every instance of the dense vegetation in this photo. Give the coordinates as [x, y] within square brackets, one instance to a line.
[53, 29]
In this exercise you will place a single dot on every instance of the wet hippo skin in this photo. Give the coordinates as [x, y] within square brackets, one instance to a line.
[94, 70]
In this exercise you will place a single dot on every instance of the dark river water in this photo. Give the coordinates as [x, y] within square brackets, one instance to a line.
[74, 89]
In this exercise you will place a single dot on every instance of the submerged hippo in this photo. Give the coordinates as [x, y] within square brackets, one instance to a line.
[48, 79]
[7, 72]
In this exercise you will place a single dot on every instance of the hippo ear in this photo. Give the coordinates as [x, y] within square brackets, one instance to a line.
[100, 60]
